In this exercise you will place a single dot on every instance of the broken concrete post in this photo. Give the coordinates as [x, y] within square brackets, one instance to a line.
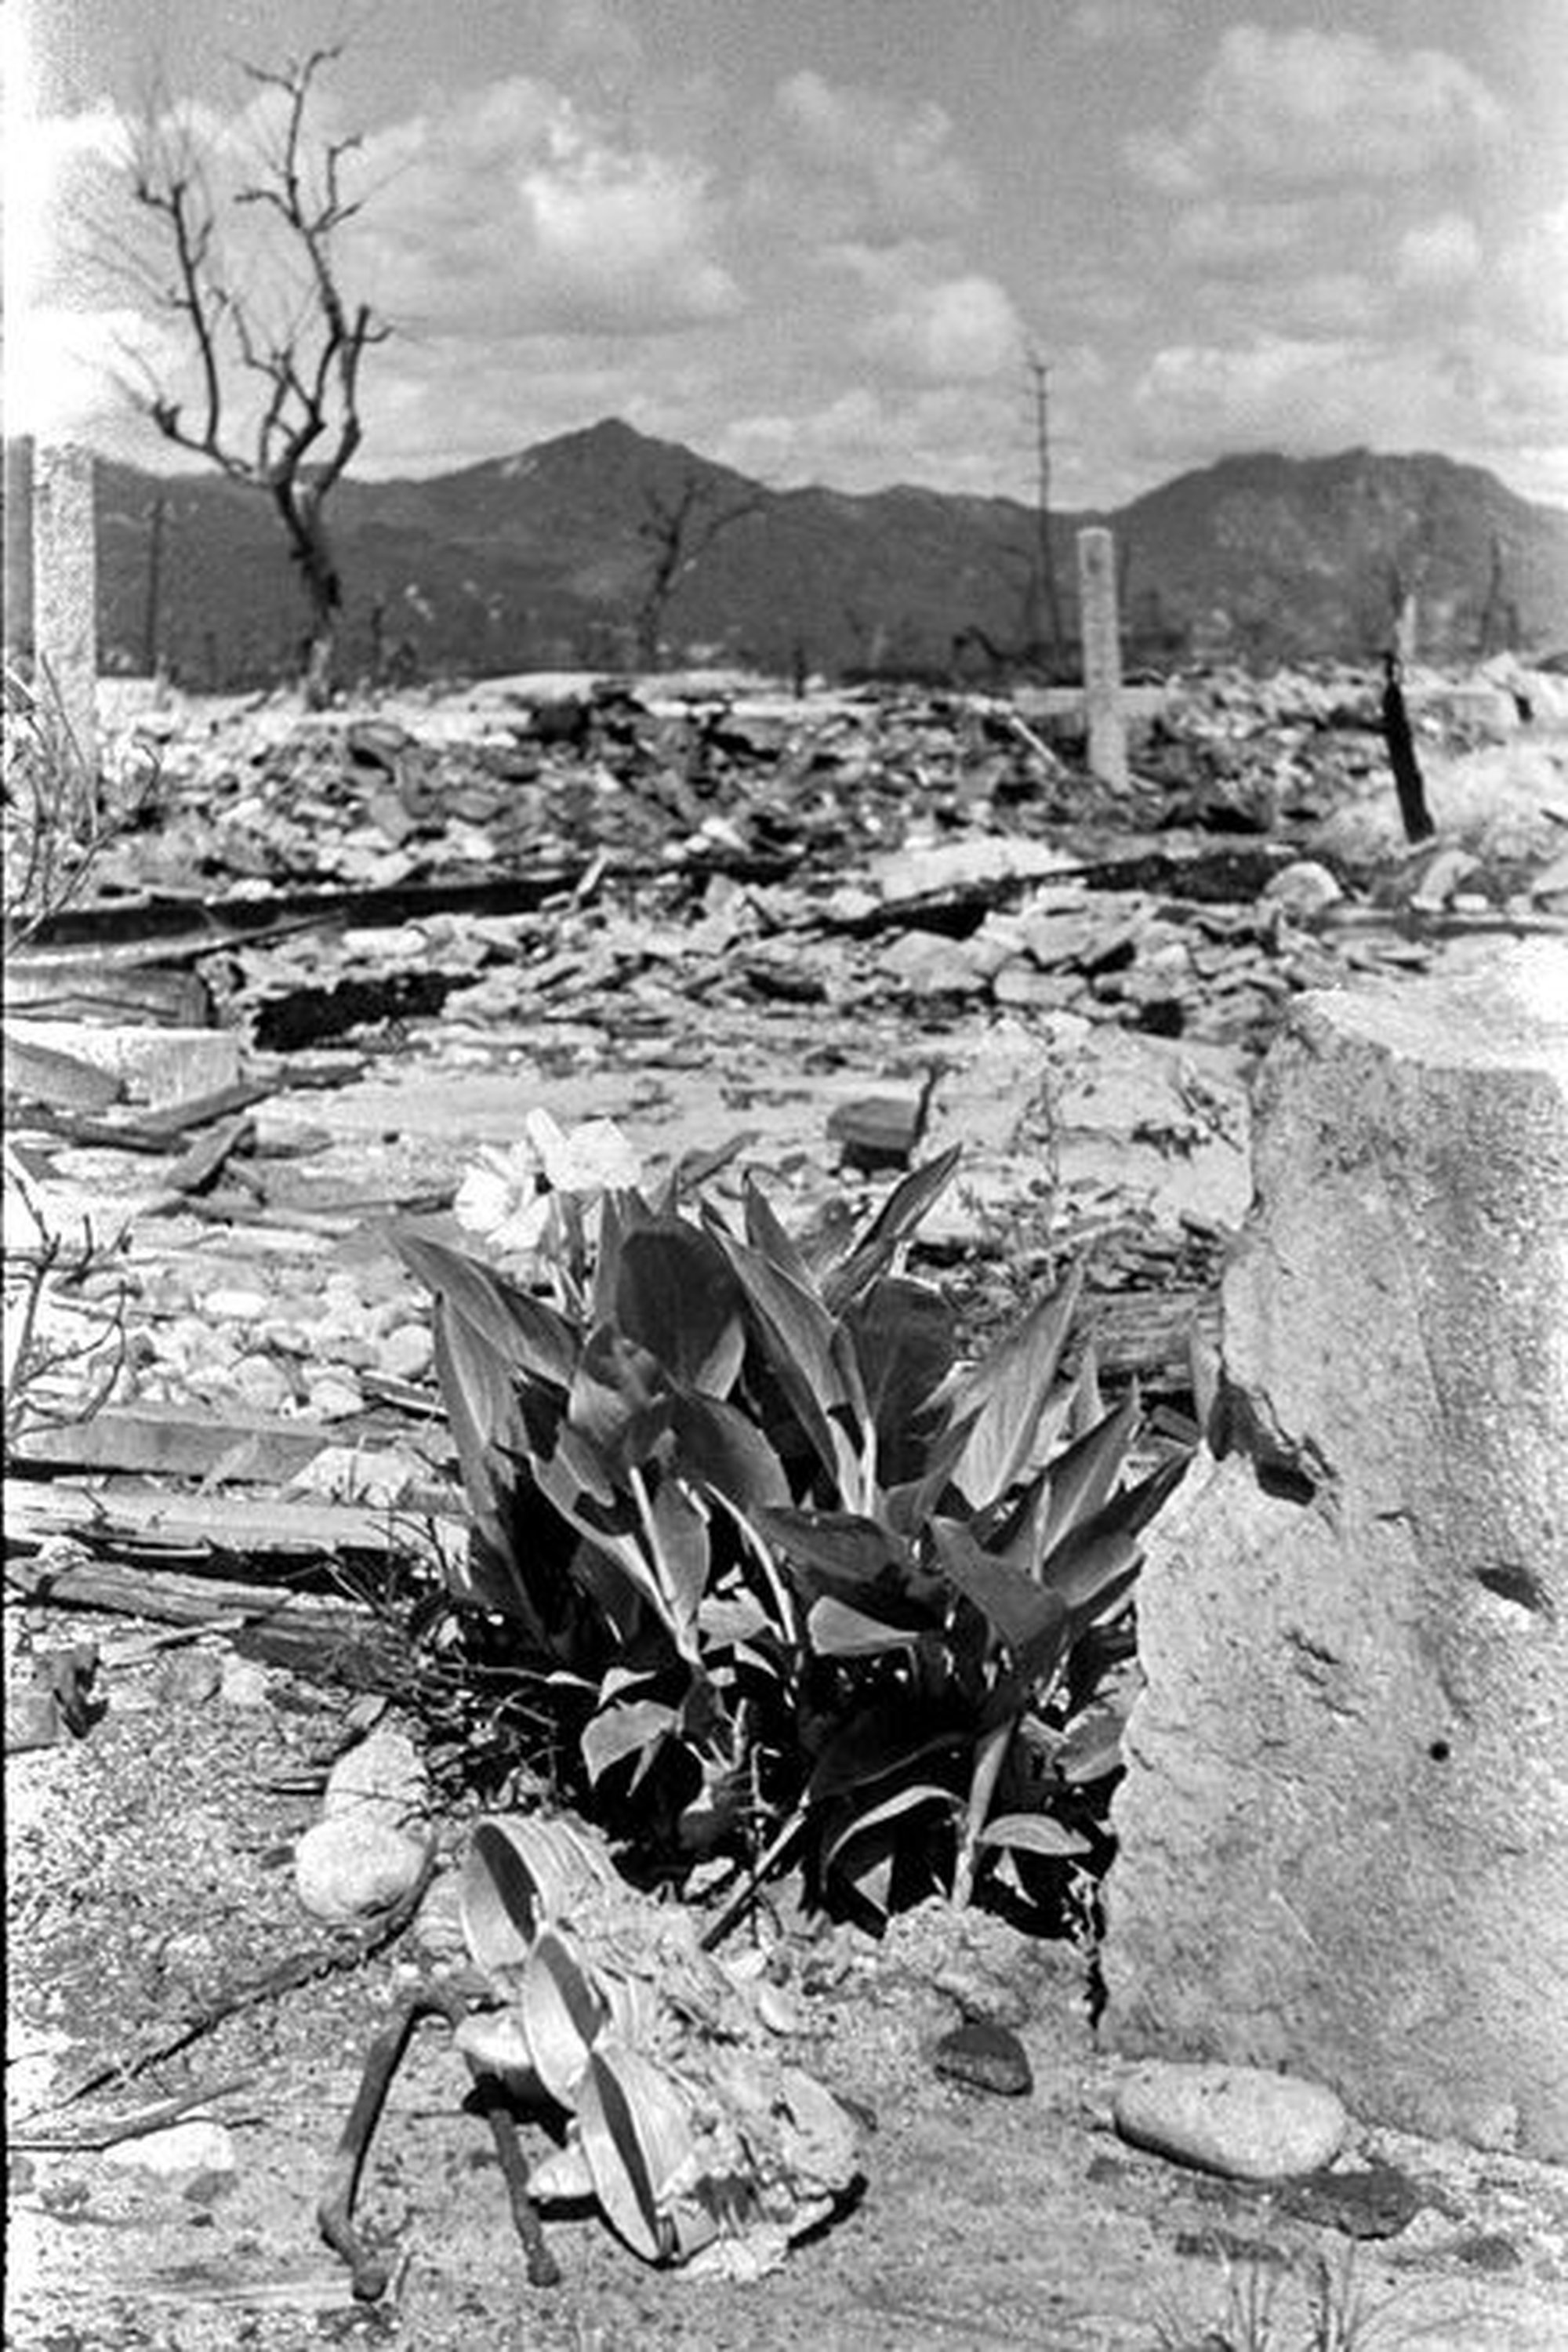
[64, 605]
[1345, 1822]
[1101, 656]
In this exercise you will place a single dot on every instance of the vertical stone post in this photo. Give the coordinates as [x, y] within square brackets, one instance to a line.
[65, 606]
[1406, 627]
[1101, 656]
[1345, 1822]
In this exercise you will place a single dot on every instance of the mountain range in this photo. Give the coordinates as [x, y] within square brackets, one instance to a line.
[608, 549]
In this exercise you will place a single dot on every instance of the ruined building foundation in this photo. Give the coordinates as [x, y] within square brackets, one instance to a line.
[1345, 1822]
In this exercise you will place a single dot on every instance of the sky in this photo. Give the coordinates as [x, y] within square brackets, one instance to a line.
[823, 240]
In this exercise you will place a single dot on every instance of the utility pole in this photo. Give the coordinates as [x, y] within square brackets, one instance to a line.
[1051, 609]
[152, 626]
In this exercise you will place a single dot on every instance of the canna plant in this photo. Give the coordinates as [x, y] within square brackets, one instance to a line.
[784, 1565]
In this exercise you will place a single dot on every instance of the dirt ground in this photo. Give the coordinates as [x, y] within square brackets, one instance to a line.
[150, 1861]
[148, 1868]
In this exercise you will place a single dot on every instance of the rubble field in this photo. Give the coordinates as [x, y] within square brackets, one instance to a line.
[311, 974]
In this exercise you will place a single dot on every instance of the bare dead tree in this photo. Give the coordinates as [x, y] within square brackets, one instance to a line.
[304, 365]
[677, 527]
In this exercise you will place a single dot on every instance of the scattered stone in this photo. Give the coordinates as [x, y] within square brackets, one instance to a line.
[985, 2056]
[380, 1779]
[32, 1719]
[195, 2148]
[245, 1683]
[923, 964]
[354, 1863]
[1304, 888]
[237, 1305]
[335, 1398]
[407, 1353]
[1240, 2121]
[261, 1384]
[190, 1678]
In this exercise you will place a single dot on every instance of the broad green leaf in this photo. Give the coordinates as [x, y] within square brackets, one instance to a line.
[1032, 1833]
[481, 1413]
[796, 1334]
[895, 1221]
[1013, 1388]
[1020, 1612]
[1100, 1555]
[902, 1802]
[837, 1630]
[718, 1446]
[523, 1331]
[1082, 1477]
[676, 1296]
[619, 1400]
[877, 1740]
[769, 1238]
[841, 1544]
[1090, 1749]
[903, 1337]
[676, 1534]
[633, 1728]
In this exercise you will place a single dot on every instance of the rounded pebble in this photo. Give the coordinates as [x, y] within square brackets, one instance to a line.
[237, 1305]
[1240, 2121]
[407, 1354]
[986, 2057]
[185, 2149]
[383, 1776]
[354, 1864]
[335, 1399]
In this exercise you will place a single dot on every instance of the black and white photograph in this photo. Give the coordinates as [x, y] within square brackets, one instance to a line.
[785, 1241]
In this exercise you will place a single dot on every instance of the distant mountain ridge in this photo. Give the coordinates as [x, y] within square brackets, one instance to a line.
[544, 559]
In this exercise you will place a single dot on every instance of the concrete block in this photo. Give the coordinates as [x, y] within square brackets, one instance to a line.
[159, 1066]
[1344, 1824]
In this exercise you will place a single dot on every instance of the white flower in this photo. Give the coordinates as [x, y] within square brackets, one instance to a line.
[594, 1157]
[508, 1195]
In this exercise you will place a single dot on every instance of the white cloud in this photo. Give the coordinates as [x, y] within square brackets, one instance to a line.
[867, 166]
[1099, 22]
[1229, 238]
[960, 329]
[513, 211]
[1466, 393]
[1437, 255]
[1533, 281]
[1301, 109]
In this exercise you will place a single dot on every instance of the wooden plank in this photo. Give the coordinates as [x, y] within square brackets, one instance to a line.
[204, 1526]
[341, 1641]
[177, 1441]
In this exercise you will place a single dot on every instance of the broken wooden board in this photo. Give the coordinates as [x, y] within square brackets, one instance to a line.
[184, 1441]
[127, 1518]
[340, 1640]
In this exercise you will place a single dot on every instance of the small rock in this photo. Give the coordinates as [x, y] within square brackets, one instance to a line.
[986, 2057]
[352, 1864]
[1240, 2121]
[335, 1398]
[261, 1384]
[244, 1684]
[186, 2150]
[407, 1354]
[383, 1778]
[1304, 889]
[236, 1306]
[32, 1720]
[1441, 876]
[190, 1678]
